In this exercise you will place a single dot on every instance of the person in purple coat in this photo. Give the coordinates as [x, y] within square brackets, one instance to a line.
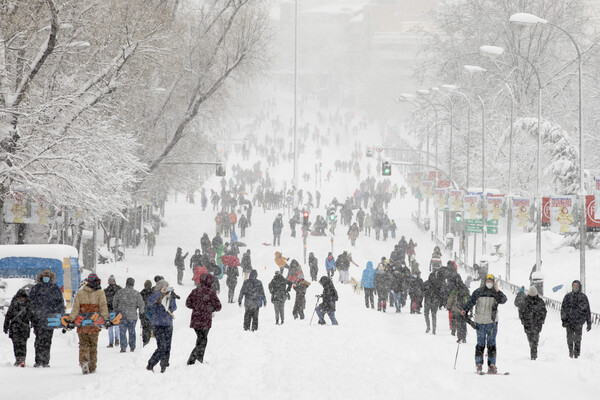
[203, 301]
[162, 322]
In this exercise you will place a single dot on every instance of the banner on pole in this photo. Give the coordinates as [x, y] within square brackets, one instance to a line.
[591, 222]
[521, 210]
[473, 214]
[495, 208]
[561, 214]
[597, 197]
[428, 189]
[20, 208]
[455, 200]
[441, 199]
[545, 211]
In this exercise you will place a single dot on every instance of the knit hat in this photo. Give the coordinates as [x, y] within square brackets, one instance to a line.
[532, 291]
[93, 282]
[111, 279]
[161, 284]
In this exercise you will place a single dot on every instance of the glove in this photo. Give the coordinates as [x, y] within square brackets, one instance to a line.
[70, 326]
[6, 331]
[108, 324]
[589, 327]
[564, 324]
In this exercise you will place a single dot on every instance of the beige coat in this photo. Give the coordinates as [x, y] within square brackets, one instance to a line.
[89, 301]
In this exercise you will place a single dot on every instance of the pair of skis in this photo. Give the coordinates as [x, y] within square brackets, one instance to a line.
[477, 372]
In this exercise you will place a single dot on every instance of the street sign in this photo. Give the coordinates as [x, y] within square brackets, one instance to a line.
[474, 228]
[492, 230]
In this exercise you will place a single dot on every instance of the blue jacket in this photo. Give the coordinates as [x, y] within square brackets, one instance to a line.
[159, 316]
[330, 264]
[368, 276]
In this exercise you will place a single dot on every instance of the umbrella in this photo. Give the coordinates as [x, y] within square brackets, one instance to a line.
[230, 261]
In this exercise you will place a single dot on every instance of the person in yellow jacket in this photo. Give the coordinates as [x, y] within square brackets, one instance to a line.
[281, 261]
[89, 299]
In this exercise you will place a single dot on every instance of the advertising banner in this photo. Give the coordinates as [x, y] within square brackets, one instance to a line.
[455, 200]
[521, 207]
[427, 189]
[495, 205]
[441, 199]
[561, 214]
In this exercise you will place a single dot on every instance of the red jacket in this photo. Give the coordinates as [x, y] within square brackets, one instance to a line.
[203, 301]
[199, 270]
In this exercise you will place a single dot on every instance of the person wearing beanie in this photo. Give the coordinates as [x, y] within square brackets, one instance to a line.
[162, 305]
[145, 317]
[129, 303]
[520, 297]
[110, 292]
[46, 298]
[532, 314]
[575, 311]
[486, 300]
[91, 298]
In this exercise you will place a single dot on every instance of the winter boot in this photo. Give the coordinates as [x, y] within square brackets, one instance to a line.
[492, 369]
[85, 368]
[116, 342]
[110, 346]
[479, 368]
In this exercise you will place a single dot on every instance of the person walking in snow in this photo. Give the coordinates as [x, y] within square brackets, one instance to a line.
[246, 264]
[279, 287]
[575, 311]
[129, 303]
[459, 296]
[330, 265]
[46, 299]
[203, 302]
[486, 300]
[162, 305]
[110, 292]
[231, 281]
[300, 301]
[91, 298]
[180, 264]
[368, 283]
[253, 294]
[532, 314]
[17, 325]
[314, 266]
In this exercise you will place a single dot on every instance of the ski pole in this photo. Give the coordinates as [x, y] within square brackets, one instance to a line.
[456, 358]
[313, 314]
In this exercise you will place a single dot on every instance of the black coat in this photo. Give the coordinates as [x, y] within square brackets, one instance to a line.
[532, 313]
[575, 310]
[300, 302]
[232, 274]
[279, 288]
[314, 265]
[17, 322]
[253, 291]
[46, 299]
[110, 292]
[329, 295]
[519, 299]
[246, 263]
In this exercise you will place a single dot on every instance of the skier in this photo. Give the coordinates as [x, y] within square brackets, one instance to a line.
[574, 313]
[91, 298]
[314, 267]
[532, 314]
[485, 300]
[279, 287]
[162, 305]
[204, 302]
[329, 297]
[254, 294]
[17, 325]
[367, 283]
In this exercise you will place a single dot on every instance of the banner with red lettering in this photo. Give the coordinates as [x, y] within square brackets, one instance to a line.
[455, 200]
[561, 214]
[546, 211]
[427, 189]
[441, 199]
[591, 221]
[521, 211]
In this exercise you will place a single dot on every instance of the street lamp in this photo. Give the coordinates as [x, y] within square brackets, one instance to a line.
[437, 90]
[525, 19]
[497, 51]
[454, 89]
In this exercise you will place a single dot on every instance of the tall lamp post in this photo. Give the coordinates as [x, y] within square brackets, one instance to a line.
[525, 19]
[498, 51]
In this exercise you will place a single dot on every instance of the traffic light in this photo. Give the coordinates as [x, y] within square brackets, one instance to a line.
[369, 152]
[331, 215]
[386, 168]
[220, 170]
[458, 217]
[320, 166]
[305, 217]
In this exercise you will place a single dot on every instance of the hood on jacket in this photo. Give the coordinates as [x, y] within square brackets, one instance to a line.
[206, 280]
[277, 254]
[325, 281]
[20, 293]
[47, 273]
[369, 265]
[253, 274]
[578, 284]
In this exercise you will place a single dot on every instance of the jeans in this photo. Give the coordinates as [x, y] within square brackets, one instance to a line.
[113, 333]
[201, 342]
[486, 335]
[369, 298]
[397, 299]
[276, 239]
[330, 273]
[164, 335]
[127, 325]
[180, 276]
[321, 315]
